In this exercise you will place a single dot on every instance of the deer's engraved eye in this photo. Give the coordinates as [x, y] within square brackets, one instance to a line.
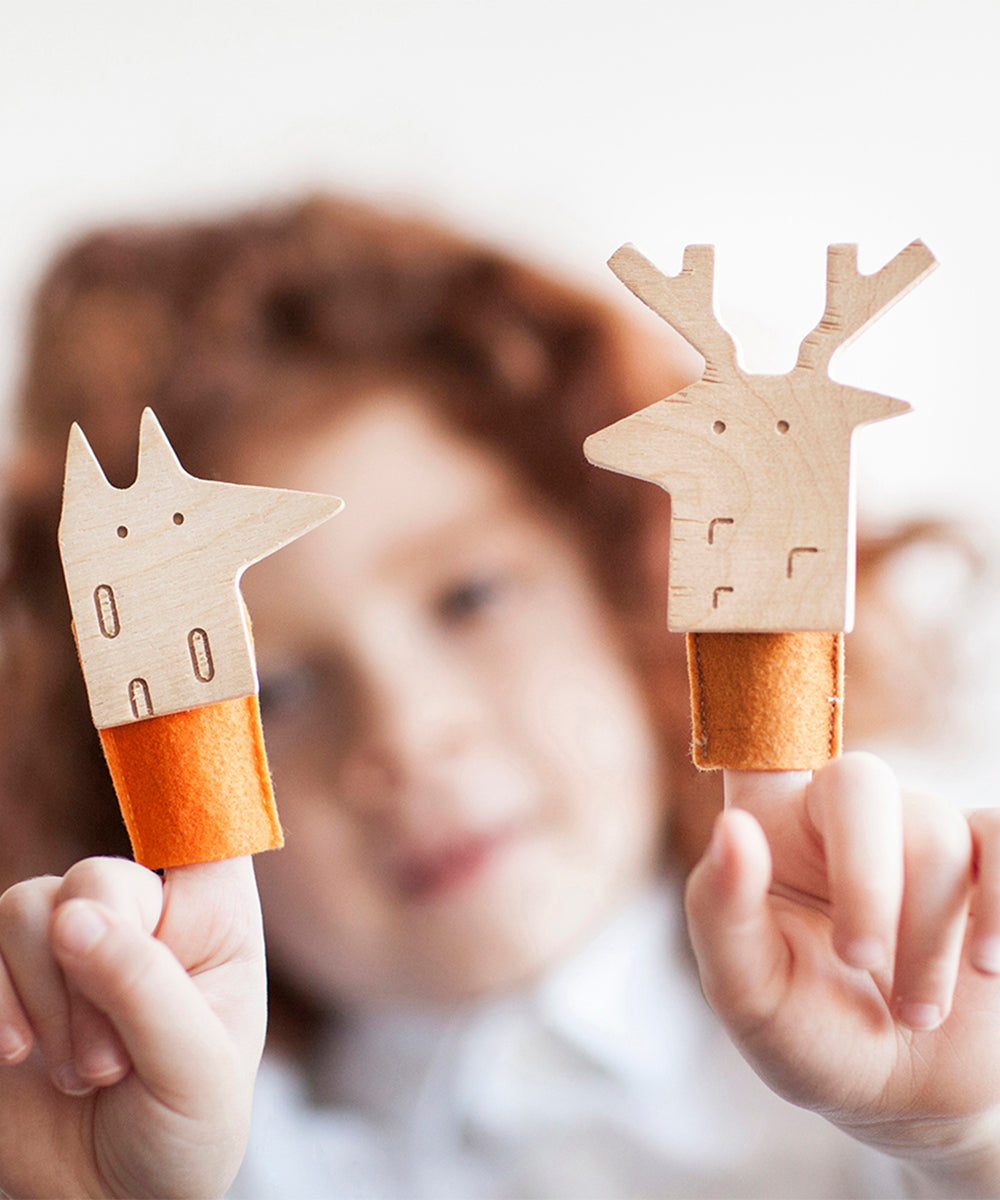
[719, 426]
[782, 426]
[178, 518]
[122, 531]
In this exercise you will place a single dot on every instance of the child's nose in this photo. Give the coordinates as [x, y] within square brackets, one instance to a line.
[421, 712]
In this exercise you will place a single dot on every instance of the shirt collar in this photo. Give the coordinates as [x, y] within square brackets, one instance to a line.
[621, 1006]
[625, 1000]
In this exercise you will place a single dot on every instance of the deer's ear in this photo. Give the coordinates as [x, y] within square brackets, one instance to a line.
[84, 479]
[156, 455]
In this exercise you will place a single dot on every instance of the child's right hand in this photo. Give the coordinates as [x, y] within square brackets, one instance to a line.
[132, 1016]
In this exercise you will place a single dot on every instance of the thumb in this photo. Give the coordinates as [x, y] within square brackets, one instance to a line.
[743, 960]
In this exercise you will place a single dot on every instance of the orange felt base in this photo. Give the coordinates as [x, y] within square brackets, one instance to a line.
[194, 786]
[766, 701]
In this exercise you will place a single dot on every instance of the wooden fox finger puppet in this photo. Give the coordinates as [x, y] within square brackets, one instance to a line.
[762, 537]
[153, 575]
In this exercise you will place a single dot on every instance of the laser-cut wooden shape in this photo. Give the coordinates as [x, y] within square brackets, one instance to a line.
[153, 575]
[758, 467]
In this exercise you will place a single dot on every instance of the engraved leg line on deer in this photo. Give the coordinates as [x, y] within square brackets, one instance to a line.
[713, 526]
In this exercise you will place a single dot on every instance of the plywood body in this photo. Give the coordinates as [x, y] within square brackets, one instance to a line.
[761, 536]
[759, 467]
[153, 578]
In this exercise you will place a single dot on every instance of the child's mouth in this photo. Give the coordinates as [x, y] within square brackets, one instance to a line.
[432, 874]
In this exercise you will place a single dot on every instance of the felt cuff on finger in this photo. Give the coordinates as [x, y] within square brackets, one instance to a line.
[766, 701]
[194, 786]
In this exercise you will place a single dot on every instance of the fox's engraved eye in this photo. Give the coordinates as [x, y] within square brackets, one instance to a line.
[783, 426]
[178, 518]
[719, 426]
[123, 531]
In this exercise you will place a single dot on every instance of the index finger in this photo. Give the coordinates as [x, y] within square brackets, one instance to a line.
[776, 799]
[836, 837]
[856, 807]
[758, 791]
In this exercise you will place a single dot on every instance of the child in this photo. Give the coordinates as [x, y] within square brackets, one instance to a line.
[479, 980]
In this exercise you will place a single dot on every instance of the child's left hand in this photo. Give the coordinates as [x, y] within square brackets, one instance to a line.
[860, 975]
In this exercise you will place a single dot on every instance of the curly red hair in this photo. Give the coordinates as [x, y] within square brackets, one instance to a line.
[269, 322]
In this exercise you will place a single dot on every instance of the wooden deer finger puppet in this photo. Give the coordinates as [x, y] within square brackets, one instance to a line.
[762, 536]
[153, 575]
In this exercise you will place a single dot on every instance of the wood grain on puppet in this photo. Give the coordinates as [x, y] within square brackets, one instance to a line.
[153, 575]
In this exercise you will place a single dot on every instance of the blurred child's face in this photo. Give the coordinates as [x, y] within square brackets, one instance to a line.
[463, 763]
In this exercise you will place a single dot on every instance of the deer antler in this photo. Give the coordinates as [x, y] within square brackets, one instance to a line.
[684, 301]
[853, 300]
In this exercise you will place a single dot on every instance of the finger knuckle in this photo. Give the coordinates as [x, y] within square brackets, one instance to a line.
[92, 877]
[120, 884]
[129, 967]
[693, 895]
[870, 764]
[859, 770]
[985, 823]
[941, 836]
[746, 1012]
[700, 902]
[28, 902]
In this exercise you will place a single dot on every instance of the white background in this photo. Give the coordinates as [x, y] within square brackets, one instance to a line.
[769, 128]
[564, 129]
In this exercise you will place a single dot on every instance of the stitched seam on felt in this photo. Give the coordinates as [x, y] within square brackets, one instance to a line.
[833, 701]
[702, 719]
[836, 665]
[830, 741]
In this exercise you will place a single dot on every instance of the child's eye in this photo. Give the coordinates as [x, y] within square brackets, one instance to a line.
[288, 689]
[468, 599]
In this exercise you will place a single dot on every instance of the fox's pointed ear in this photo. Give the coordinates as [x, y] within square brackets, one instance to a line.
[156, 455]
[84, 477]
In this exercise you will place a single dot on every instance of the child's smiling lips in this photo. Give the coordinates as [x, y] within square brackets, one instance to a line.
[429, 873]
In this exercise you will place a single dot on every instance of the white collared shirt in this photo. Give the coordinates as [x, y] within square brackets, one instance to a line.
[609, 1079]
